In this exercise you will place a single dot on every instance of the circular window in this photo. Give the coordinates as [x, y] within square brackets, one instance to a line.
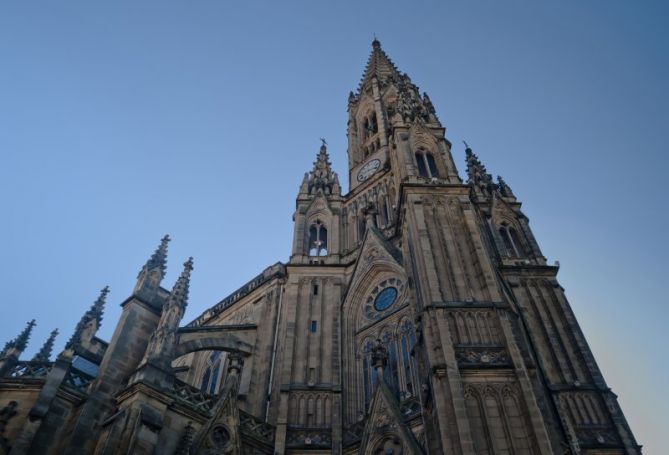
[219, 437]
[385, 298]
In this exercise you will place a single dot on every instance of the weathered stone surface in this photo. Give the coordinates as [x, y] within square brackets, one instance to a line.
[416, 315]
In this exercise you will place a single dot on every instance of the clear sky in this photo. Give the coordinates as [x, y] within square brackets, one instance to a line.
[122, 121]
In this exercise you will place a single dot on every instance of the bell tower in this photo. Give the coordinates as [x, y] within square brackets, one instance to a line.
[391, 126]
[317, 214]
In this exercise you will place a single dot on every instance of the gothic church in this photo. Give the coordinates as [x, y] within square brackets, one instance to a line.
[416, 315]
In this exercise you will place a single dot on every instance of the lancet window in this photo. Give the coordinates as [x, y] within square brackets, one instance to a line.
[318, 239]
[512, 243]
[427, 166]
[400, 373]
[211, 373]
[370, 125]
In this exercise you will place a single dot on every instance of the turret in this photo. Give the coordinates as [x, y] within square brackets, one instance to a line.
[477, 175]
[16, 346]
[44, 353]
[153, 272]
[155, 366]
[391, 126]
[317, 213]
[13, 349]
[88, 324]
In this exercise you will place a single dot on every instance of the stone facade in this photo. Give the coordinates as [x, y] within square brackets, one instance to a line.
[416, 315]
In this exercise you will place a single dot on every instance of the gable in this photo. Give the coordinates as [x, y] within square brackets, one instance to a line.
[385, 429]
[378, 267]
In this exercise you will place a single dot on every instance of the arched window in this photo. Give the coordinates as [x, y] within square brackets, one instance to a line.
[512, 243]
[362, 227]
[427, 166]
[520, 251]
[318, 239]
[369, 378]
[211, 373]
[391, 372]
[409, 367]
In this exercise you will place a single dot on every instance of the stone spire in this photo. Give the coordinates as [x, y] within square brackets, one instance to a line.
[44, 353]
[161, 344]
[504, 189]
[477, 173]
[153, 272]
[90, 322]
[322, 177]
[179, 294]
[18, 344]
[379, 66]
[158, 259]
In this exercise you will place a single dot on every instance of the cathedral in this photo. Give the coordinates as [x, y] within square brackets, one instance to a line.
[415, 315]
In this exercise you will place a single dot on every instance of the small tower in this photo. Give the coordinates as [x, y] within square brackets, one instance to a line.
[16, 346]
[89, 323]
[153, 272]
[392, 127]
[477, 175]
[156, 366]
[13, 349]
[45, 352]
[317, 214]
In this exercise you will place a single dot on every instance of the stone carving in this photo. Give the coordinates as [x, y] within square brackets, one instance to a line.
[192, 396]
[597, 437]
[317, 437]
[482, 357]
[256, 428]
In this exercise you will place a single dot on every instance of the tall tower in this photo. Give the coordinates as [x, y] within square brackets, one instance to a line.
[502, 363]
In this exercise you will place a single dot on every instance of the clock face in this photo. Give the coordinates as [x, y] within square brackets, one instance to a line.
[368, 170]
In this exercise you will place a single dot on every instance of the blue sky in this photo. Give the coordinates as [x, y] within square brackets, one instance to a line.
[123, 121]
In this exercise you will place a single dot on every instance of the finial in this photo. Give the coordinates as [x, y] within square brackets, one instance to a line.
[467, 147]
[92, 318]
[20, 342]
[159, 258]
[44, 353]
[324, 143]
[504, 188]
[376, 44]
[98, 307]
[180, 290]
